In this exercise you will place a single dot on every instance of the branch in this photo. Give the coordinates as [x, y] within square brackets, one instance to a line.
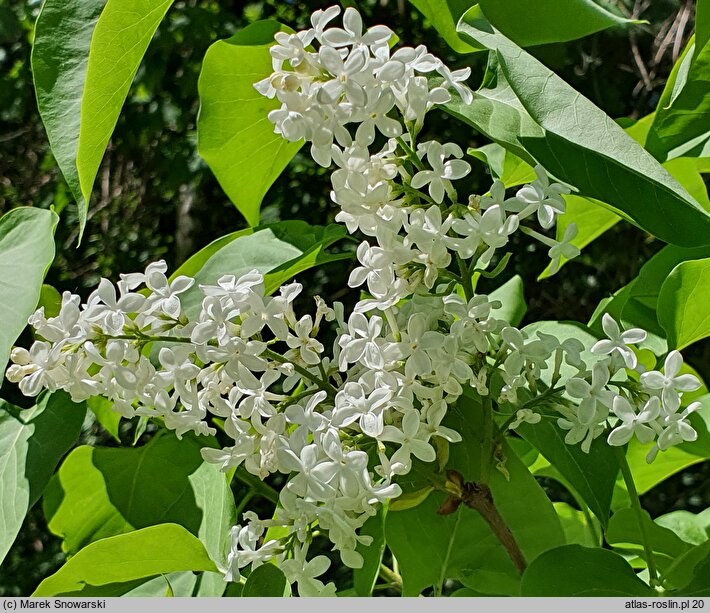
[478, 496]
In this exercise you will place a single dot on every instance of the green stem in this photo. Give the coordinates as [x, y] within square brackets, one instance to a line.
[636, 506]
[416, 192]
[152, 339]
[295, 399]
[243, 503]
[487, 442]
[324, 385]
[589, 520]
[392, 577]
[257, 485]
[465, 278]
[392, 321]
[532, 402]
[410, 153]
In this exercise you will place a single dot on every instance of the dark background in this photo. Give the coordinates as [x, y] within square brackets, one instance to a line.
[155, 198]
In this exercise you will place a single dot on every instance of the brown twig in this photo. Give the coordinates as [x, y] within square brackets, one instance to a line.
[4, 138]
[684, 16]
[479, 497]
[666, 34]
[639, 61]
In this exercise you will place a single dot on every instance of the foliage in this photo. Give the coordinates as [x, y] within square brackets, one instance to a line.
[156, 517]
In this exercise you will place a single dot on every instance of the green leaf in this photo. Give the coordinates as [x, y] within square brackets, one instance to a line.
[179, 585]
[636, 304]
[431, 548]
[102, 408]
[692, 528]
[681, 572]
[549, 21]
[279, 251]
[152, 551]
[580, 529]
[102, 492]
[515, 171]
[683, 303]
[50, 300]
[573, 570]
[26, 251]
[512, 297]
[592, 219]
[516, 493]
[443, 15]
[32, 442]
[682, 121]
[196, 261]
[266, 581]
[119, 42]
[638, 130]
[688, 172]
[497, 113]
[700, 584]
[465, 592]
[578, 143]
[545, 21]
[624, 532]
[60, 54]
[503, 165]
[409, 500]
[364, 578]
[667, 464]
[235, 137]
[592, 474]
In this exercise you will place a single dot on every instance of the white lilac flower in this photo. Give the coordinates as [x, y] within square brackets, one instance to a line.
[303, 573]
[674, 430]
[309, 348]
[669, 383]
[579, 432]
[353, 33]
[525, 416]
[362, 342]
[164, 296]
[244, 550]
[434, 416]
[105, 307]
[353, 404]
[563, 248]
[375, 112]
[37, 368]
[633, 423]
[494, 228]
[591, 393]
[543, 198]
[442, 171]
[618, 342]
[411, 440]
[345, 76]
[473, 323]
